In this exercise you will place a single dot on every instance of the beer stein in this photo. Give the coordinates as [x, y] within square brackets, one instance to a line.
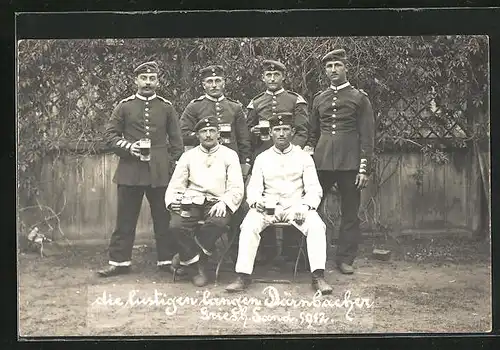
[186, 205]
[270, 203]
[264, 130]
[225, 133]
[197, 205]
[145, 149]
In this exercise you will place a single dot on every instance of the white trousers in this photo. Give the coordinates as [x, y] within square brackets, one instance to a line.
[254, 223]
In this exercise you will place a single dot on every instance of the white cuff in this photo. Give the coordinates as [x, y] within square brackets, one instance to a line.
[123, 263]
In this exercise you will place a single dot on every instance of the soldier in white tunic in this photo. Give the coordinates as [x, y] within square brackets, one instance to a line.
[207, 185]
[286, 175]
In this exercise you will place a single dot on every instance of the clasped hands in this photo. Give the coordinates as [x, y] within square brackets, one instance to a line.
[218, 210]
[297, 212]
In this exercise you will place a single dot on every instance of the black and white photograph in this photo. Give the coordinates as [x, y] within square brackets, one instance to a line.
[253, 185]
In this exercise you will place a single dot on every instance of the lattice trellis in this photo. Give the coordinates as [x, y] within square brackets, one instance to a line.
[420, 118]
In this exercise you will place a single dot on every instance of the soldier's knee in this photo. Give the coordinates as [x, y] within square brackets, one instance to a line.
[222, 223]
[176, 221]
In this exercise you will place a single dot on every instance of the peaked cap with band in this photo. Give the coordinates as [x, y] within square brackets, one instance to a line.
[206, 123]
[212, 71]
[147, 67]
[335, 55]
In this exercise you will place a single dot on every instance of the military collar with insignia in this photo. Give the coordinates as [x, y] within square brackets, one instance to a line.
[276, 92]
[144, 98]
[340, 87]
[285, 151]
[211, 150]
[215, 99]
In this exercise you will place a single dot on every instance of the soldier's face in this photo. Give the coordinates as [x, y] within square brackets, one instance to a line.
[208, 137]
[281, 135]
[214, 86]
[273, 79]
[146, 83]
[336, 72]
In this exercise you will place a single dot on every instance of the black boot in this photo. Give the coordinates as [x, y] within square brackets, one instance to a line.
[201, 279]
[169, 268]
[240, 284]
[113, 271]
[319, 282]
[345, 268]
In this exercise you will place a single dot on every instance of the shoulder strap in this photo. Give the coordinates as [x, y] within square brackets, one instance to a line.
[300, 99]
[130, 98]
[164, 100]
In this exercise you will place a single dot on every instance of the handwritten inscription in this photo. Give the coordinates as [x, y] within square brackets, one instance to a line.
[312, 311]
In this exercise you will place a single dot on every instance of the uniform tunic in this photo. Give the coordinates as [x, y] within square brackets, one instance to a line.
[342, 129]
[289, 176]
[215, 174]
[267, 104]
[342, 133]
[136, 117]
[227, 111]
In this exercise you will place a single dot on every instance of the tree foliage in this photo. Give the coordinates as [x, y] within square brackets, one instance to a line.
[68, 88]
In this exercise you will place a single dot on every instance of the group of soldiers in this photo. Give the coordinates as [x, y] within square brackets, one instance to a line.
[269, 147]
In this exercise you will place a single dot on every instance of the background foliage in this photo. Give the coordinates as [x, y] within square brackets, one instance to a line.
[68, 88]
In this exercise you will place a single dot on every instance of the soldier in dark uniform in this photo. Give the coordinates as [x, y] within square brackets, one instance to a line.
[272, 102]
[136, 121]
[342, 133]
[276, 100]
[229, 114]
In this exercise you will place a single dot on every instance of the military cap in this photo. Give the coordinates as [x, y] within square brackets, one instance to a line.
[212, 71]
[281, 119]
[206, 123]
[147, 67]
[335, 55]
[273, 65]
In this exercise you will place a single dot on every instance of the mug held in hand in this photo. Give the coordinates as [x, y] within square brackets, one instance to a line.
[225, 133]
[264, 130]
[186, 205]
[197, 205]
[145, 149]
[270, 206]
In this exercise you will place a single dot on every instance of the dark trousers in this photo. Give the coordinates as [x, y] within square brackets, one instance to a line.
[350, 196]
[129, 206]
[191, 240]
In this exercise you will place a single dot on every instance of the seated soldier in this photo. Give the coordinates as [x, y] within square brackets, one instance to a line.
[284, 178]
[207, 185]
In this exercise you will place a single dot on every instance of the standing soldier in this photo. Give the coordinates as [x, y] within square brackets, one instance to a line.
[274, 101]
[342, 133]
[229, 114]
[270, 103]
[137, 132]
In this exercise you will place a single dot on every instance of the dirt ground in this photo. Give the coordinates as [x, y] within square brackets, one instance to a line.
[428, 285]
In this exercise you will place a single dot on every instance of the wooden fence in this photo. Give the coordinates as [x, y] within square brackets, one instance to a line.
[447, 198]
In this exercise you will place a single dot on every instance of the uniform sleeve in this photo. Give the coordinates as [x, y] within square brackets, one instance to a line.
[174, 134]
[255, 188]
[113, 133]
[188, 121]
[179, 181]
[314, 128]
[301, 123]
[252, 120]
[252, 117]
[312, 188]
[233, 196]
[366, 129]
[243, 137]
